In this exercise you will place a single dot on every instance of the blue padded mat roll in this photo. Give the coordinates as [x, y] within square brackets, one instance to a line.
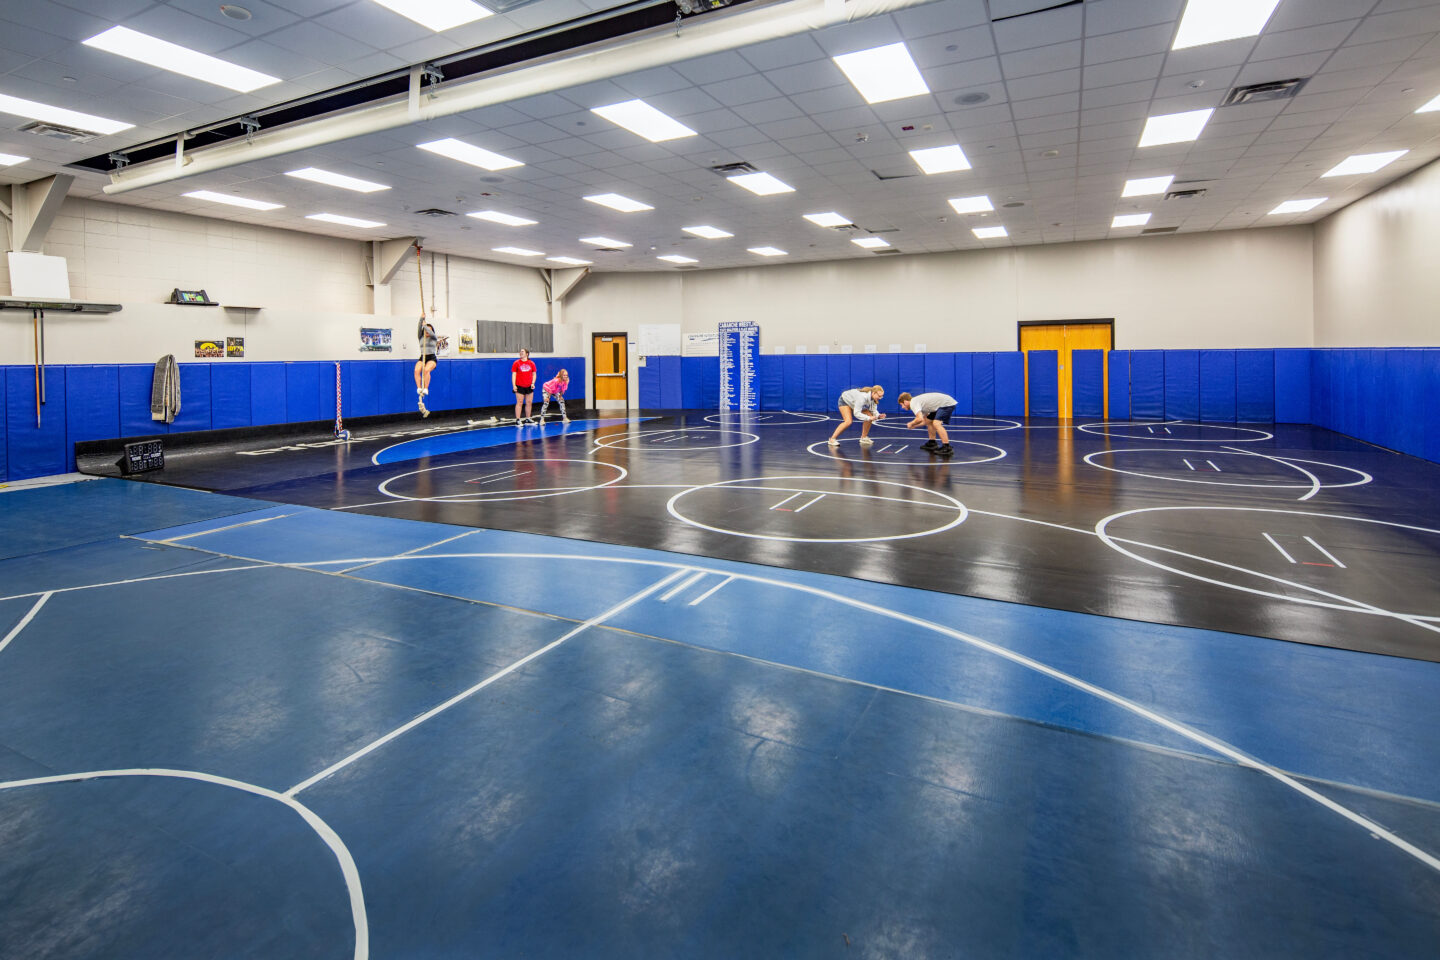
[229, 396]
[772, 382]
[817, 385]
[194, 398]
[672, 392]
[1010, 384]
[1292, 386]
[794, 368]
[940, 373]
[982, 384]
[649, 385]
[964, 383]
[1182, 384]
[837, 376]
[1217, 385]
[909, 373]
[1118, 383]
[1147, 385]
[887, 373]
[1043, 377]
[1087, 384]
[1255, 385]
[33, 451]
[92, 403]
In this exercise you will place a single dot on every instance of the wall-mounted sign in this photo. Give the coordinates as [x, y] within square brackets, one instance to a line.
[209, 348]
[374, 339]
[234, 346]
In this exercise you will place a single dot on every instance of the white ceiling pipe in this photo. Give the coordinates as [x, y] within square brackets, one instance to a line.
[653, 48]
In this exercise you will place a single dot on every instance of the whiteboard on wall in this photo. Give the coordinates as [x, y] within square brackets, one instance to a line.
[659, 339]
[36, 275]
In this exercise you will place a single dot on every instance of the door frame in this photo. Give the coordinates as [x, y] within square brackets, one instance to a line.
[1020, 326]
[1108, 321]
[594, 367]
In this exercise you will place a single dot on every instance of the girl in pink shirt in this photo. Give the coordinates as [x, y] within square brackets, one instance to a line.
[555, 390]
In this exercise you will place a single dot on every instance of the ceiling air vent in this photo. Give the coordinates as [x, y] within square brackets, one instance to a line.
[435, 212]
[892, 176]
[59, 132]
[1185, 194]
[1150, 230]
[730, 169]
[888, 251]
[1260, 92]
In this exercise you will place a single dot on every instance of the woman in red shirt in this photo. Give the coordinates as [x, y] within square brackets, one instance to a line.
[522, 381]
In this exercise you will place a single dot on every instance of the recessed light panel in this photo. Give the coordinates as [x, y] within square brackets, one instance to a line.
[344, 221]
[606, 242]
[1130, 220]
[1174, 127]
[468, 153]
[1210, 21]
[1146, 186]
[1430, 107]
[768, 251]
[45, 113]
[676, 258]
[570, 261]
[990, 233]
[870, 243]
[518, 251]
[336, 180]
[1363, 163]
[831, 219]
[971, 204]
[10, 159]
[617, 202]
[437, 14]
[495, 216]
[177, 59]
[1298, 206]
[761, 183]
[639, 117]
[709, 233]
[233, 200]
[883, 73]
[941, 159]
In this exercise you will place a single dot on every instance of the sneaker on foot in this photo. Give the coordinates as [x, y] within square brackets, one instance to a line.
[833, 442]
[945, 450]
[564, 419]
[930, 445]
[866, 441]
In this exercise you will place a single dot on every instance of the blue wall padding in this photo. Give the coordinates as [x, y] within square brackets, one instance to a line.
[492, 382]
[4, 429]
[35, 451]
[1255, 385]
[302, 391]
[1118, 385]
[887, 375]
[229, 396]
[964, 378]
[692, 391]
[576, 367]
[772, 382]
[462, 382]
[940, 373]
[671, 396]
[909, 373]
[1044, 382]
[364, 387]
[1217, 385]
[862, 370]
[1405, 372]
[794, 368]
[267, 393]
[1182, 384]
[441, 396]
[194, 398]
[1147, 384]
[1292, 386]
[982, 384]
[1429, 379]
[1087, 384]
[817, 384]
[135, 381]
[710, 384]
[92, 403]
[837, 376]
[1010, 384]
[648, 391]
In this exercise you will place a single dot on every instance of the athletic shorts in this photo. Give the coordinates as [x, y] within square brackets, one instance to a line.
[428, 358]
[942, 415]
[525, 391]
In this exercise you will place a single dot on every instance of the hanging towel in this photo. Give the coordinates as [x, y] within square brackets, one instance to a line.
[165, 389]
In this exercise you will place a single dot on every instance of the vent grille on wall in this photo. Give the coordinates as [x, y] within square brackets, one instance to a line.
[1259, 92]
[59, 132]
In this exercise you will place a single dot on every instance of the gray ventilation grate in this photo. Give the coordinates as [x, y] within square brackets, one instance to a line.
[1151, 230]
[1260, 92]
[59, 132]
[1185, 194]
[435, 212]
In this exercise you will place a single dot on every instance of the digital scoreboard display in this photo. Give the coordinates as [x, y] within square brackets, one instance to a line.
[143, 457]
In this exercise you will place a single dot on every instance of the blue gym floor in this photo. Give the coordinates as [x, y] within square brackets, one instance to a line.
[237, 729]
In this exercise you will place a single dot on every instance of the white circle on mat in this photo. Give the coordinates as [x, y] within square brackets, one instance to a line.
[468, 497]
[1150, 425]
[1209, 454]
[820, 449]
[654, 439]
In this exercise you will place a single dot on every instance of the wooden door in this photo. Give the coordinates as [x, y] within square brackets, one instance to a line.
[608, 352]
[1064, 337]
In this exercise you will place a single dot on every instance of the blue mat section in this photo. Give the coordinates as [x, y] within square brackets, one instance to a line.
[670, 393]
[135, 380]
[710, 384]
[1429, 376]
[772, 382]
[364, 388]
[1292, 386]
[1119, 385]
[982, 384]
[964, 384]
[648, 391]
[887, 375]
[910, 372]
[817, 385]
[1087, 383]
[1147, 385]
[1010, 384]
[1217, 385]
[1182, 384]
[692, 391]
[480, 438]
[229, 396]
[267, 393]
[1044, 382]
[302, 392]
[940, 373]
[194, 398]
[1255, 385]
[794, 370]
[33, 451]
[92, 403]
[862, 369]
[837, 376]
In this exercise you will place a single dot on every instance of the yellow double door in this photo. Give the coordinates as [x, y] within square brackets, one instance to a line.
[1063, 338]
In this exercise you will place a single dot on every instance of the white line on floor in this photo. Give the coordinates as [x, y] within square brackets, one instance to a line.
[808, 502]
[785, 501]
[1277, 546]
[25, 620]
[698, 600]
[233, 526]
[682, 587]
[1333, 559]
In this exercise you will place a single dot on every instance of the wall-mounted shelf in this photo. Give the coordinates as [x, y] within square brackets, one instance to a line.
[191, 298]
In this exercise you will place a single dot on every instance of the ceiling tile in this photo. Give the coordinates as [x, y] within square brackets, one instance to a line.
[1037, 29]
[1024, 63]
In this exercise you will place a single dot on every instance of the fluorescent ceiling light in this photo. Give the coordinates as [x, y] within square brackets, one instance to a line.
[1430, 107]
[10, 159]
[336, 180]
[232, 200]
[709, 233]
[437, 14]
[1363, 163]
[941, 159]
[1174, 127]
[676, 258]
[467, 153]
[1146, 186]
[869, 243]
[1130, 220]
[1210, 21]
[768, 251]
[177, 59]
[495, 216]
[1298, 206]
[989, 233]
[831, 219]
[572, 261]
[45, 113]
[761, 184]
[616, 202]
[639, 117]
[971, 204]
[883, 73]
[605, 242]
[518, 251]
[344, 221]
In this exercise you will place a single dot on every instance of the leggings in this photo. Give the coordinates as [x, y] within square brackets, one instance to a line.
[559, 398]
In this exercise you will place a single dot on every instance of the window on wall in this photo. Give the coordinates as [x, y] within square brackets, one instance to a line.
[502, 337]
